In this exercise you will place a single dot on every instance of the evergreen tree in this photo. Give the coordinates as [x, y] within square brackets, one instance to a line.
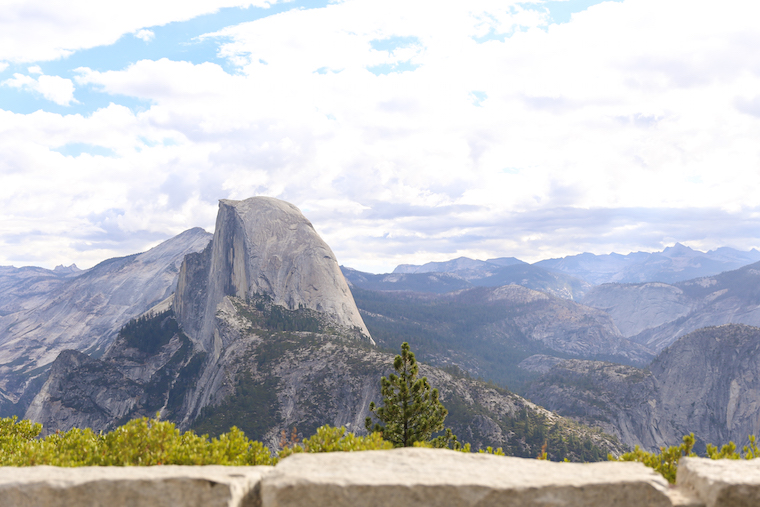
[411, 411]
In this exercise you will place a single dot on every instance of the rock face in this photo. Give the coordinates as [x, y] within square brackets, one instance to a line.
[708, 383]
[446, 478]
[656, 314]
[262, 246]
[44, 312]
[136, 377]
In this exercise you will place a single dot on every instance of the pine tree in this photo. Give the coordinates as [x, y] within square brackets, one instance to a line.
[411, 411]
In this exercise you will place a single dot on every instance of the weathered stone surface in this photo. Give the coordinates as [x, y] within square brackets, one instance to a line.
[442, 478]
[262, 246]
[161, 486]
[721, 483]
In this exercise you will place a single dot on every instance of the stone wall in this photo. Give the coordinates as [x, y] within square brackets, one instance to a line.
[402, 477]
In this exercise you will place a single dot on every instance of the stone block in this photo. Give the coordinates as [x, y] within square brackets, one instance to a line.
[443, 478]
[721, 483]
[159, 486]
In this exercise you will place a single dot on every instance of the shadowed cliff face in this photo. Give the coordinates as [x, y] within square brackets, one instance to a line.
[707, 382]
[44, 312]
[262, 246]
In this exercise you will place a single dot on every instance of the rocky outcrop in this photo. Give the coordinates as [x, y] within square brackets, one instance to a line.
[262, 247]
[43, 312]
[708, 383]
[621, 400]
[139, 375]
[657, 314]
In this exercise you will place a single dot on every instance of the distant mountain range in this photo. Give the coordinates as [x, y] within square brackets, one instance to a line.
[529, 276]
[657, 314]
[673, 264]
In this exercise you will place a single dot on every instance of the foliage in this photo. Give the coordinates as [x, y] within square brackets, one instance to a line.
[253, 408]
[139, 442]
[150, 332]
[728, 451]
[665, 462]
[411, 411]
[332, 439]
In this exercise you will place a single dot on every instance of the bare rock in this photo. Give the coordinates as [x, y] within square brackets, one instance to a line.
[722, 482]
[159, 486]
[262, 246]
[447, 478]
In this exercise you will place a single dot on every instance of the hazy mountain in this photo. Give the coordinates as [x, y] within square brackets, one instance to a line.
[459, 264]
[673, 264]
[43, 312]
[707, 382]
[656, 314]
[438, 283]
[489, 275]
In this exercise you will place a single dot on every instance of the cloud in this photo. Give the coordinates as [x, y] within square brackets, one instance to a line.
[3, 66]
[54, 88]
[145, 35]
[615, 131]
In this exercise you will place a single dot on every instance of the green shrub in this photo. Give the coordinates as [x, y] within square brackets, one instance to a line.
[666, 461]
[331, 439]
[139, 442]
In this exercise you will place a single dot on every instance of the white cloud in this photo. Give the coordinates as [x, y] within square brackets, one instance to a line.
[3, 66]
[34, 69]
[39, 30]
[145, 35]
[53, 88]
[608, 132]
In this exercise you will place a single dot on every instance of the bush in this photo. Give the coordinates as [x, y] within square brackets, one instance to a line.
[331, 439]
[666, 461]
[139, 442]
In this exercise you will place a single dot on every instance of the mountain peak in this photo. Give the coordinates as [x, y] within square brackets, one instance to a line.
[65, 270]
[679, 249]
[263, 246]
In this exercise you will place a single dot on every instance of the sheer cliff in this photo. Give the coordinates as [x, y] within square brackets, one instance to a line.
[707, 382]
[43, 312]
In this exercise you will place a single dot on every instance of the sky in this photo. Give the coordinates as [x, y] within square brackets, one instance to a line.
[406, 131]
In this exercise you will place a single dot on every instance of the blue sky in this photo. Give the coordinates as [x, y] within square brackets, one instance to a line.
[406, 131]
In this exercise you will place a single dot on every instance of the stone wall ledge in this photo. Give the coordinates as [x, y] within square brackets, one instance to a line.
[420, 477]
